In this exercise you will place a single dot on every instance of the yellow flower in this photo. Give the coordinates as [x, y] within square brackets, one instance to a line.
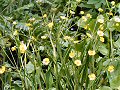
[100, 20]
[15, 33]
[22, 47]
[92, 76]
[76, 42]
[32, 19]
[100, 33]
[102, 39]
[39, 1]
[67, 37]
[72, 54]
[116, 19]
[14, 23]
[44, 37]
[33, 38]
[78, 0]
[77, 62]
[28, 24]
[63, 17]
[82, 12]
[89, 35]
[110, 13]
[13, 48]
[113, 3]
[31, 28]
[89, 29]
[71, 12]
[100, 10]
[111, 68]
[46, 61]
[71, 39]
[84, 18]
[117, 24]
[79, 53]
[50, 25]
[85, 27]
[101, 27]
[91, 52]
[2, 69]
[89, 15]
[45, 15]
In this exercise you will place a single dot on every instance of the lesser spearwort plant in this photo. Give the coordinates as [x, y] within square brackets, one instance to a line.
[60, 45]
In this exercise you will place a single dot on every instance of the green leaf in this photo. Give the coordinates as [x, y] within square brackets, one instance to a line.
[97, 3]
[29, 67]
[93, 1]
[18, 83]
[106, 62]
[92, 24]
[52, 89]
[25, 7]
[49, 80]
[115, 82]
[117, 43]
[22, 26]
[79, 46]
[110, 25]
[86, 5]
[105, 88]
[103, 50]
[118, 6]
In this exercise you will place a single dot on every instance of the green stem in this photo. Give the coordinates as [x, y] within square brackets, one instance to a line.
[54, 59]
[108, 4]
[111, 45]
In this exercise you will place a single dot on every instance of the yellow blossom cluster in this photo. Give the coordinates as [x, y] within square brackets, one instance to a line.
[45, 15]
[15, 33]
[102, 39]
[72, 12]
[32, 19]
[68, 38]
[43, 37]
[92, 76]
[50, 25]
[113, 3]
[82, 12]
[14, 23]
[85, 17]
[46, 61]
[101, 34]
[111, 68]
[77, 62]
[22, 47]
[117, 24]
[89, 35]
[63, 17]
[13, 48]
[76, 41]
[2, 69]
[72, 54]
[89, 15]
[91, 52]
[100, 9]
[28, 24]
[100, 20]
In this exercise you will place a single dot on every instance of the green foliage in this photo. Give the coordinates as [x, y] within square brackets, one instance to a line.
[105, 88]
[59, 45]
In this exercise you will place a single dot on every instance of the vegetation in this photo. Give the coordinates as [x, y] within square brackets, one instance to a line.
[59, 45]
